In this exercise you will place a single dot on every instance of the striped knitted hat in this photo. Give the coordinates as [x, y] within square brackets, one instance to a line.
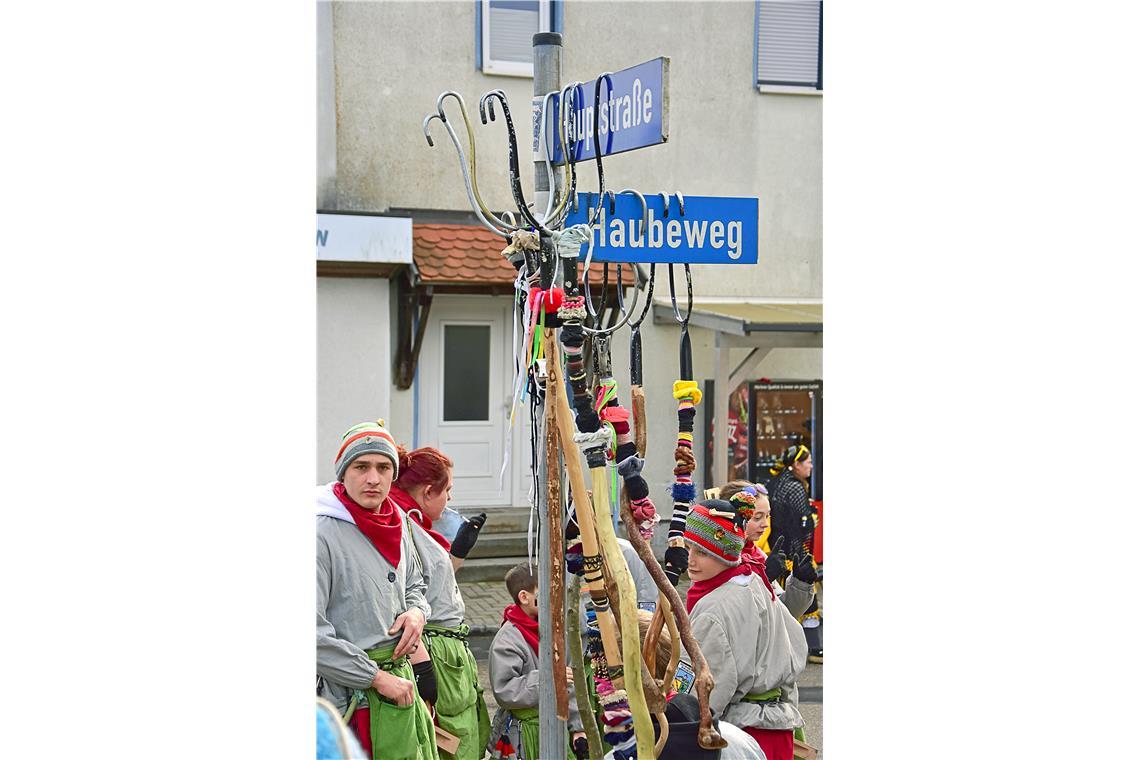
[744, 501]
[711, 526]
[366, 438]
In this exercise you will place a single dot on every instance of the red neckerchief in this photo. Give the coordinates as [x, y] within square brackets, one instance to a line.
[382, 527]
[700, 588]
[527, 627]
[756, 560]
[413, 510]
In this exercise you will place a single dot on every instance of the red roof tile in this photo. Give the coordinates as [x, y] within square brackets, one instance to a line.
[455, 253]
[465, 254]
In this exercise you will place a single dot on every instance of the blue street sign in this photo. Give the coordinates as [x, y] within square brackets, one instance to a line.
[712, 231]
[633, 112]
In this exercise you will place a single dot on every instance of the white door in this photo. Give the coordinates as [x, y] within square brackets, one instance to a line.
[464, 389]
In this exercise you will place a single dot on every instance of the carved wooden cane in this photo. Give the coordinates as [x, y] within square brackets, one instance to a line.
[669, 601]
[557, 568]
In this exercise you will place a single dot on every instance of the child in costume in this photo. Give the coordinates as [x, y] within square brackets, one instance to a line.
[753, 645]
[751, 501]
[514, 675]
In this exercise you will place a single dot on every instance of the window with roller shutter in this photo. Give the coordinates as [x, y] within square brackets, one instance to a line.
[504, 29]
[789, 45]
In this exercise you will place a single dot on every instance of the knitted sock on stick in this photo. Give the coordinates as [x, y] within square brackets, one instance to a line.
[688, 395]
[640, 505]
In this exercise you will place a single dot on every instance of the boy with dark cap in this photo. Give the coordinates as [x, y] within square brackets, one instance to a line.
[371, 608]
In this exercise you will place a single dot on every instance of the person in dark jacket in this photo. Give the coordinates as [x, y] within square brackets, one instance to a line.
[793, 516]
[793, 525]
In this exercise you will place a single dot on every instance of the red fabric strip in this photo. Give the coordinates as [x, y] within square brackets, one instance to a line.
[777, 745]
[756, 559]
[700, 588]
[527, 627]
[415, 512]
[382, 527]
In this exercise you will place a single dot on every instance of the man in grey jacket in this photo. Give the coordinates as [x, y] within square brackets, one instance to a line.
[371, 607]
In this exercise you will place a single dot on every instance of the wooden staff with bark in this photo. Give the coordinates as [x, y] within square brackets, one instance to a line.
[669, 605]
[557, 571]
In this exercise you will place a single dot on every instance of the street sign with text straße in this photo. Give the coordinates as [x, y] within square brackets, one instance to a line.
[712, 230]
[633, 113]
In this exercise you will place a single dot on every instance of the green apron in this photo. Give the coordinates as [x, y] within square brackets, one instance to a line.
[529, 730]
[398, 733]
[773, 695]
[459, 707]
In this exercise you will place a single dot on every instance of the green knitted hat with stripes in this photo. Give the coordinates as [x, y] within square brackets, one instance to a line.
[366, 438]
[711, 527]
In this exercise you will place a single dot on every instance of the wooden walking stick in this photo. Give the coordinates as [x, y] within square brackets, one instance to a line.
[680, 629]
[577, 664]
[557, 569]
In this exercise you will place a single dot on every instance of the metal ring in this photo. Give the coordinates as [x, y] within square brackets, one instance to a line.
[625, 319]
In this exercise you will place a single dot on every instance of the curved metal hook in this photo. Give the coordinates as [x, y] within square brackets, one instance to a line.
[625, 319]
[644, 228]
[471, 175]
[683, 321]
[427, 135]
[512, 158]
[597, 140]
[686, 350]
[644, 208]
[612, 199]
[556, 214]
[567, 123]
[595, 314]
[491, 223]
[502, 96]
[648, 298]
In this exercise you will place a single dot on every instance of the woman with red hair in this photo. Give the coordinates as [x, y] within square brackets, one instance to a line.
[450, 677]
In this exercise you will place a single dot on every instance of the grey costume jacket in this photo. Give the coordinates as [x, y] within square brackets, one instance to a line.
[447, 608]
[516, 680]
[359, 596]
[752, 645]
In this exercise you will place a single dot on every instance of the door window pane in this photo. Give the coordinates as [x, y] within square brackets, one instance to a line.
[466, 372]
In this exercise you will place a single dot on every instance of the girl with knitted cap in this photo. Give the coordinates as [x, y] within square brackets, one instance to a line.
[751, 502]
[451, 676]
[754, 647]
[371, 607]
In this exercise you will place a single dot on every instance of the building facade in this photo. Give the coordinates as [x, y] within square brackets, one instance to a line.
[381, 67]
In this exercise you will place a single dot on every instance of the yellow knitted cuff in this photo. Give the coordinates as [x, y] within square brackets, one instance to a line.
[683, 388]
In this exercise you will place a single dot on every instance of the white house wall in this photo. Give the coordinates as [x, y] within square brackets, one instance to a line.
[354, 365]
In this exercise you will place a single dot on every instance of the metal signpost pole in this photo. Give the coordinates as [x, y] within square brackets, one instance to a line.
[547, 48]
